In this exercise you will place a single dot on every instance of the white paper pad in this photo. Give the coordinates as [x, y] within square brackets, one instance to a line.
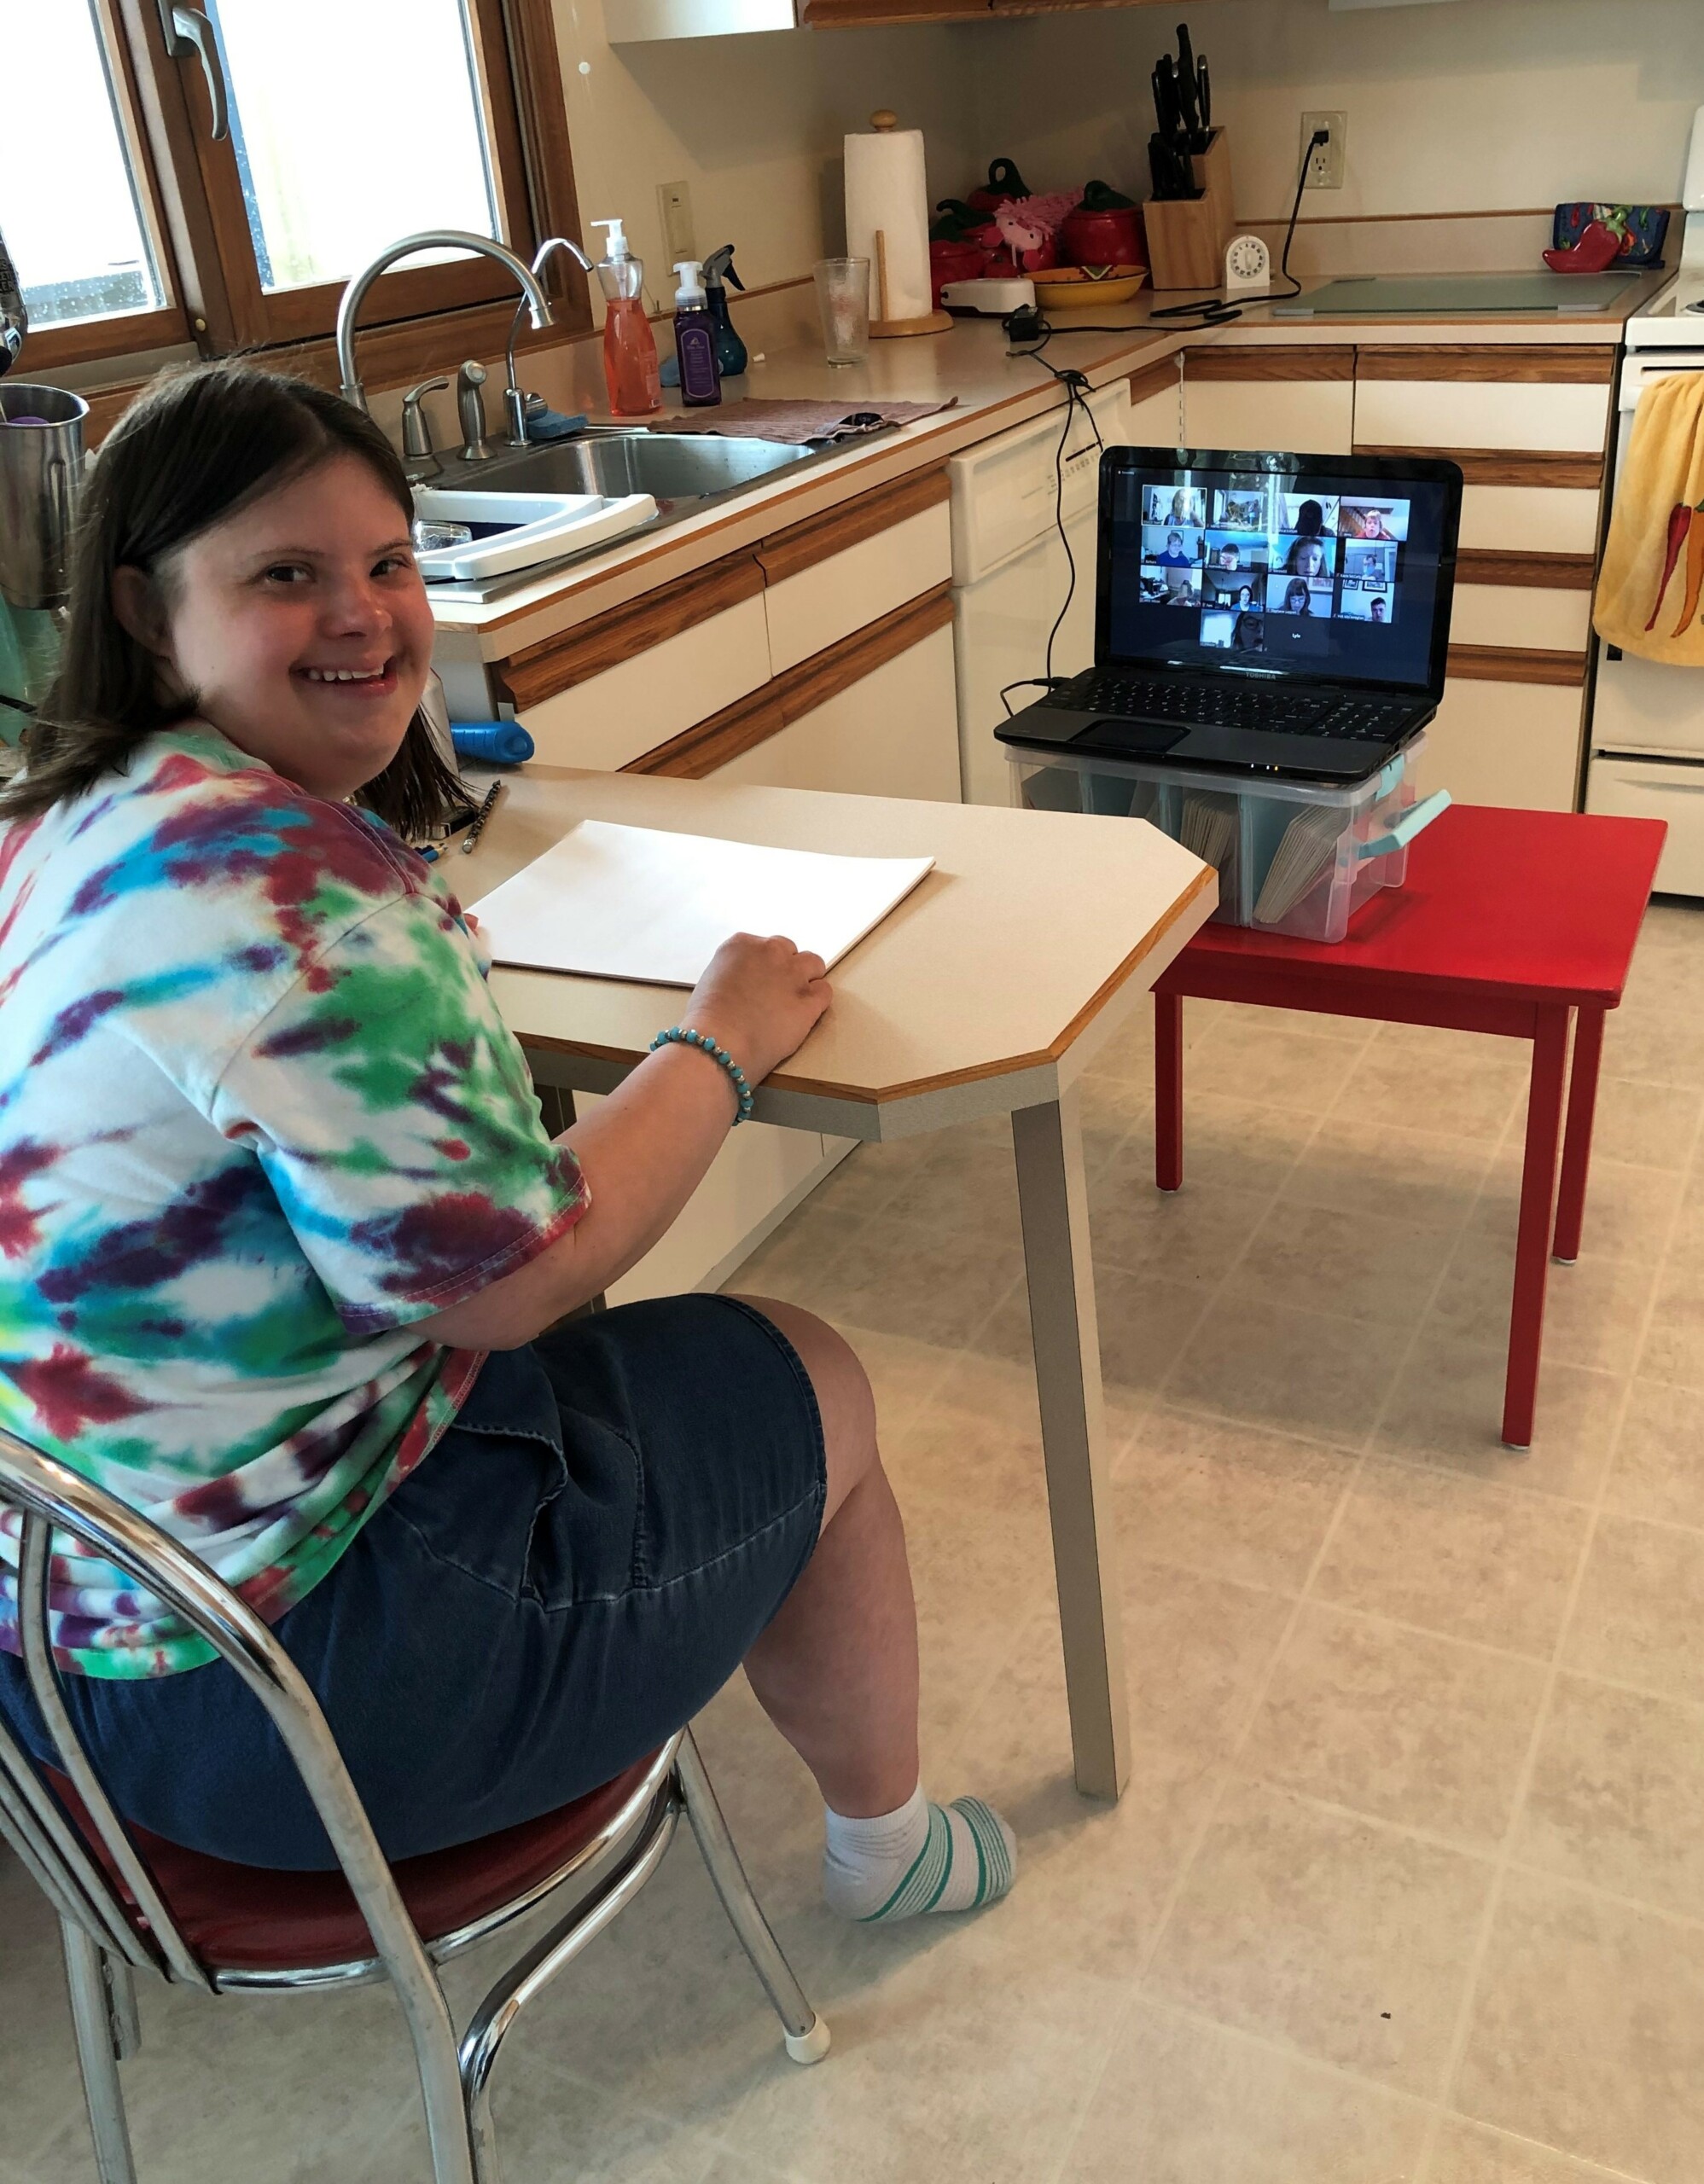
[635, 903]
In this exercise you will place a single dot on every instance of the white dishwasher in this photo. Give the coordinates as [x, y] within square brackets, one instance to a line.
[1009, 574]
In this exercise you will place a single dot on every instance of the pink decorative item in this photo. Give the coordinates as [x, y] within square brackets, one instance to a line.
[1030, 227]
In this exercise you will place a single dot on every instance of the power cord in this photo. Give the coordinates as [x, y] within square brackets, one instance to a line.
[1215, 310]
[1077, 386]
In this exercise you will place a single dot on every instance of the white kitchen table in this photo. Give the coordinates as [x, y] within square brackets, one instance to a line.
[987, 991]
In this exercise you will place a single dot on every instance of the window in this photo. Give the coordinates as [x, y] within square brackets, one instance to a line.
[235, 161]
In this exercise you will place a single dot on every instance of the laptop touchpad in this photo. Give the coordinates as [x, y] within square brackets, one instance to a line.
[1130, 739]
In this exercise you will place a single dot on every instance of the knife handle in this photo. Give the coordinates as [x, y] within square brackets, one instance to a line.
[1206, 92]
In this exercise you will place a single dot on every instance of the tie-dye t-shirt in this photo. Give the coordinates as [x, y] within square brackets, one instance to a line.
[259, 1119]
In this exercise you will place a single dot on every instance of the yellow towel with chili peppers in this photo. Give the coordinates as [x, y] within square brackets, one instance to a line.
[1651, 585]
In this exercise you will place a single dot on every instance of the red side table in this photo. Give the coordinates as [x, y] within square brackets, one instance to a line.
[1508, 923]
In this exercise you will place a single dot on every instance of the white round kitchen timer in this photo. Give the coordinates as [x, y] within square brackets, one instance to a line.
[1247, 266]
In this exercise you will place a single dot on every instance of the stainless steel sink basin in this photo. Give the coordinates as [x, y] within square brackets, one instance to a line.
[683, 472]
[670, 466]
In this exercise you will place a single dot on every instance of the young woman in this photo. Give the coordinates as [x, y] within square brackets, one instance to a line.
[284, 1247]
[1298, 599]
[1307, 558]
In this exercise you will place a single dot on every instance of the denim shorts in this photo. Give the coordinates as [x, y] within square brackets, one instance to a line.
[573, 1571]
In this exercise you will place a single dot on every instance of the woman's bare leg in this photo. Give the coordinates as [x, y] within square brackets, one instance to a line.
[836, 1671]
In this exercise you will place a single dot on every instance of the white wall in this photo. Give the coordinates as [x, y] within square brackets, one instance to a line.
[1475, 104]
[754, 125]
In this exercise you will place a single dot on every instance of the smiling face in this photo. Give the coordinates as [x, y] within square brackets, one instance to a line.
[301, 623]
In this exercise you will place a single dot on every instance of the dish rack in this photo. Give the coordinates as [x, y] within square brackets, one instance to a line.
[1296, 858]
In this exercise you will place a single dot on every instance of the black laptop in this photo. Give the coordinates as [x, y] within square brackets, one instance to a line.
[1262, 613]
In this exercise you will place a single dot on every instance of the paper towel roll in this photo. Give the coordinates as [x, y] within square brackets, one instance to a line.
[886, 192]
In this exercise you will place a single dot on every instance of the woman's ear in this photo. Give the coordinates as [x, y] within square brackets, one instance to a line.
[136, 604]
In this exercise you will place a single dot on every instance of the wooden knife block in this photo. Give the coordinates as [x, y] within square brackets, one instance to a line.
[1188, 236]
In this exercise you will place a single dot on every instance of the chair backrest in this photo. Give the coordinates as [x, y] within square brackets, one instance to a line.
[48, 1497]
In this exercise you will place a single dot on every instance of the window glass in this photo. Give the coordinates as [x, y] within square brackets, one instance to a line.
[68, 204]
[354, 122]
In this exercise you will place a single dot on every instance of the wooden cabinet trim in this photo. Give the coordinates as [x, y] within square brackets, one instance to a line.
[1517, 663]
[1532, 571]
[784, 553]
[1243, 365]
[750, 720]
[1160, 378]
[1509, 466]
[1558, 365]
[558, 663]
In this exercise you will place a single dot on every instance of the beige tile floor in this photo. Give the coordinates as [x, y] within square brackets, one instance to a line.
[1408, 1887]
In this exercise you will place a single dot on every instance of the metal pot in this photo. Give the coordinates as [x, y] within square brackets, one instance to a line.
[41, 474]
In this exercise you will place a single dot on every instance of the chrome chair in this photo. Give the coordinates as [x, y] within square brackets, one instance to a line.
[128, 1902]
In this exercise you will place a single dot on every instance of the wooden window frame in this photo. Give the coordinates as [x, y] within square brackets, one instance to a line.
[415, 319]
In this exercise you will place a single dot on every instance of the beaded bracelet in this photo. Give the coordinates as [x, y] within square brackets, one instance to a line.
[677, 1035]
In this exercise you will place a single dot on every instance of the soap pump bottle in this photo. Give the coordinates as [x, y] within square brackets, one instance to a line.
[630, 352]
[731, 354]
[695, 338]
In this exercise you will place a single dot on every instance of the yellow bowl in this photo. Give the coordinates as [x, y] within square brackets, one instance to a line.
[1073, 287]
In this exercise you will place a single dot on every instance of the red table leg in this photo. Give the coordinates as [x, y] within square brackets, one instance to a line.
[1588, 1054]
[1168, 1091]
[1537, 1202]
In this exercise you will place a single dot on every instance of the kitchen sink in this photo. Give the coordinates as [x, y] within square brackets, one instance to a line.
[683, 472]
[670, 466]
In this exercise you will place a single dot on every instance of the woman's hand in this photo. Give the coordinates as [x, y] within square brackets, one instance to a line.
[759, 999]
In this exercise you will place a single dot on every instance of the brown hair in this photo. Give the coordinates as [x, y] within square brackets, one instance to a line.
[195, 447]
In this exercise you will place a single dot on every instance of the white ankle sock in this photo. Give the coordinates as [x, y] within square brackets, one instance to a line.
[922, 1857]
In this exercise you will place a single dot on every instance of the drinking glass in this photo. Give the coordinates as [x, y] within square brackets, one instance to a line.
[843, 303]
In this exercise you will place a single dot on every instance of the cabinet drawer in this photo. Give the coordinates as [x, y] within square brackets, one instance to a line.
[1449, 414]
[1514, 614]
[1312, 416]
[612, 717]
[1656, 789]
[893, 732]
[1514, 744]
[815, 608]
[1530, 519]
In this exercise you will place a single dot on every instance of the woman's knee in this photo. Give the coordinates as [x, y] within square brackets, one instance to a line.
[844, 1396]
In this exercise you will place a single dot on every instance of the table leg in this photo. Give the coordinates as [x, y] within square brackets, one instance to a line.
[1538, 1204]
[1588, 1054]
[1053, 1198]
[1168, 1091]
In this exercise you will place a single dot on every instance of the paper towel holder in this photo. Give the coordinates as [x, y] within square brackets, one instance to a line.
[881, 327]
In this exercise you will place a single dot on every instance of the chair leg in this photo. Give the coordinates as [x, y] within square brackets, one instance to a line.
[806, 2034]
[104, 2016]
[495, 2018]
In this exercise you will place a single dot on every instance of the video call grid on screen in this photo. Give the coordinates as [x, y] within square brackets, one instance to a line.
[1327, 578]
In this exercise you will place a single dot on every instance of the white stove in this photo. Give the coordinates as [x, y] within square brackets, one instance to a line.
[1676, 319]
[1648, 718]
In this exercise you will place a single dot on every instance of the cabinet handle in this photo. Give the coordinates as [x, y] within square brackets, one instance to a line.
[188, 31]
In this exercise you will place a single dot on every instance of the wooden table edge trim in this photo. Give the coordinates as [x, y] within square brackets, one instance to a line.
[889, 1094]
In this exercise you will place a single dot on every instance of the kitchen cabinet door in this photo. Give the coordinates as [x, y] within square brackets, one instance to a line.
[757, 1178]
[635, 704]
[1156, 405]
[1296, 399]
[893, 732]
[1514, 743]
[828, 601]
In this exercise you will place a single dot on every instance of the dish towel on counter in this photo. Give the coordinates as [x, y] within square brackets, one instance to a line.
[796, 422]
[1650, 589]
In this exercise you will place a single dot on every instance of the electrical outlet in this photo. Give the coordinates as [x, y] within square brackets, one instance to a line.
[674, 201]
[1325, 161]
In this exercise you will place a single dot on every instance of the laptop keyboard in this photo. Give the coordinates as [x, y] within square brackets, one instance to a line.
[1230, 702]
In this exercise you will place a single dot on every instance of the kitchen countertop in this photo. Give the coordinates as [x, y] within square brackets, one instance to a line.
[993, 391]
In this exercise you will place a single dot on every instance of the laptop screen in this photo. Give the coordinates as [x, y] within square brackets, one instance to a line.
[1292, 566]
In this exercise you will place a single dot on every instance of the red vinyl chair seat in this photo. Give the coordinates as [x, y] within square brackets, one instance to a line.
[251, 1918]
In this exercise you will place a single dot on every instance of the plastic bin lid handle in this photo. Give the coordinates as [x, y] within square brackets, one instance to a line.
[1399, 837]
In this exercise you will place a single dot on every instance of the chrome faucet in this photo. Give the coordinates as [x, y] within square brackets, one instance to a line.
[514, 401]
[349, 310]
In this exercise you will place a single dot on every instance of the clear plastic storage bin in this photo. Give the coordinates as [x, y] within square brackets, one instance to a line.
[1298, 858]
